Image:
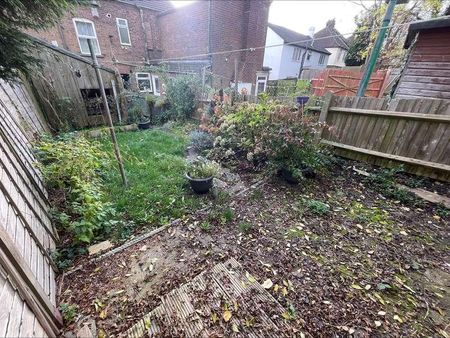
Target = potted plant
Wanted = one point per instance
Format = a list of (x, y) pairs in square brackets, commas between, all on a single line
[(137, 113), (200, 174)]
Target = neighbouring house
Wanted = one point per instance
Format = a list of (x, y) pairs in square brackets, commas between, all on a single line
[(218, 28), (330, 39), (129, 34), (427, 70), (289, 47)]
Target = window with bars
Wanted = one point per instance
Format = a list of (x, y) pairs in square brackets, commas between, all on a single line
[(85, 30), (124, 32)]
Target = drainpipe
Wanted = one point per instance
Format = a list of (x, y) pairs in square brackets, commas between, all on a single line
[(141, 14), (209, 30)]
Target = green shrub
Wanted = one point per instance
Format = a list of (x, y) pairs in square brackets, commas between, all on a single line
[(181, 94), (205, 226), (202, 168), (201, 140), (68, 311), (75, 165), (269, 133), (227, 215)]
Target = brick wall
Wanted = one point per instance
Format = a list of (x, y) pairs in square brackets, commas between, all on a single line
[(235, 24), (107, 33)]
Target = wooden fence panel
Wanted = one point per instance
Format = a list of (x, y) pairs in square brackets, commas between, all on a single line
[(27, 235), (415, 132), (345, 82)]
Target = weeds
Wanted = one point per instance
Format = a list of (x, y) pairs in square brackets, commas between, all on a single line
[(68, 311), (317, 207), (245, 227), (365, 215), (205, 226), (227, 215)]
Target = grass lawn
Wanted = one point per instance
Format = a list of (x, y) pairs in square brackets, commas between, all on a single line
[(154, 164)]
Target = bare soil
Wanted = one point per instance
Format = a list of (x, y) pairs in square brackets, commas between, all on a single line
[(367, 265)]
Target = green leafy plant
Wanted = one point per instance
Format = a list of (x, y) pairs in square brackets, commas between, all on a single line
[(227, 215), (68, 311), (74, 166), (205, 226), (245, 227), (317, 207), (202, 168), (366, 215), (201, 140), (181, 93)]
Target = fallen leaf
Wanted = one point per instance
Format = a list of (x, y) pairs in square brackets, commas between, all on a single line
[(101, 333), (356, 286), (235, 328), (250, 278), (103, 314), (381, 313), (377, 323), (147, 323), (276, 287), (284, 291), (286, 315), (267, 284), (398, 319), (227, 315), (383, 286), (367, 287), (214, 317)]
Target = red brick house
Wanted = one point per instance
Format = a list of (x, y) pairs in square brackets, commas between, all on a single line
[(133, 33)]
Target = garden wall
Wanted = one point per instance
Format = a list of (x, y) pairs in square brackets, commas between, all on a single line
[(27, 272), (412, 132)]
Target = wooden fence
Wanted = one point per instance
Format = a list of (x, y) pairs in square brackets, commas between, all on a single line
[(68, 92), (27, 272), (346, 82), (413, 132)]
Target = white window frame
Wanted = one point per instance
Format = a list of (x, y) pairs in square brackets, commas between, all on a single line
[(258, 81), (155, 89), (75, 20), (149, 77), (118, 31)]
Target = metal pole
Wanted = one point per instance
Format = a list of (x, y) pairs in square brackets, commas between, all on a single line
[(376, 49), (108, 113)]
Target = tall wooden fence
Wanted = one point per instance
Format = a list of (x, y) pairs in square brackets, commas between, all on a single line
[(27, 272), (412, 132), (346, 82), (68, 92)]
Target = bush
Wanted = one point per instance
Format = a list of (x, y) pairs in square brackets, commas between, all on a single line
[(202, 168), (270, 133), (201, 140), (181, 94), (74, 166), (317, 207)]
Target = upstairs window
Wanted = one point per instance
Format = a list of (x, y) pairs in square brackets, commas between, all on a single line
[(321, 59), (124, 32), (297, 54), (144, 82), (85, 30)]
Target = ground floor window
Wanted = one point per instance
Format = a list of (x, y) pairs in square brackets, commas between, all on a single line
[(144, 82), (261, 83)]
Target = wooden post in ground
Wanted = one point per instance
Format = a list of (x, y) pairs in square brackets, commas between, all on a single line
[(108, 113), (324, 112)]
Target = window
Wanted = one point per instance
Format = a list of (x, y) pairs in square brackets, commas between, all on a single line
[(321, 59), (85, 30), (144, 82), (261, 82), (308, 57), (124, 32), (156, 85), (297, 54)]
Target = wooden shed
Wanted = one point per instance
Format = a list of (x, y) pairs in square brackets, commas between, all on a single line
[(427, 71)]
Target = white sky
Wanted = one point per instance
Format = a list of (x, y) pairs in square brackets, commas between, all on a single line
[(300, 15)]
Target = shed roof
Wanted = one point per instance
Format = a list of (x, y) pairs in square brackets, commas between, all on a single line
[(154, 5), (414, 28), (296, 39)]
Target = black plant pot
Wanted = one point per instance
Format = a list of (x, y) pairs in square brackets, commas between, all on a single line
[(200, 185), (144, 124), (288, 177)]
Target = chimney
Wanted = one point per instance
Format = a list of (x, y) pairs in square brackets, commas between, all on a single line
[(331, 23)]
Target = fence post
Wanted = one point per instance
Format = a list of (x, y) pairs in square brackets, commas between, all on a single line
[(327, 98)]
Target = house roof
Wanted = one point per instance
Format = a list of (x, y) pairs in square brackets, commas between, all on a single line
[(296, 39), (154, 5), (414, 28), (329, 37)]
